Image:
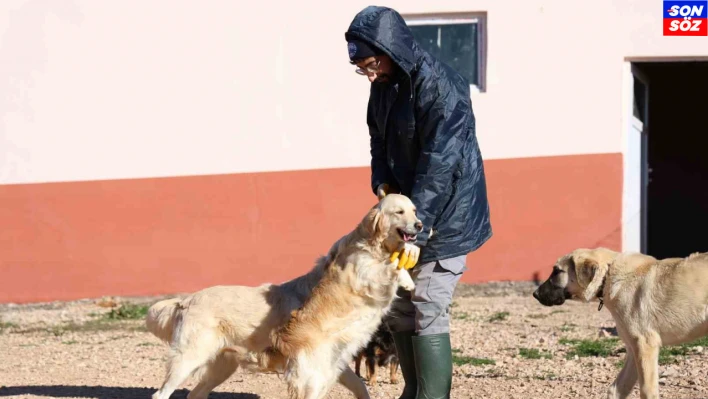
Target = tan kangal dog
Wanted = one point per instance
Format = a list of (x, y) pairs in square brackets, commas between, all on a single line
[(341, 300), (653, 302)]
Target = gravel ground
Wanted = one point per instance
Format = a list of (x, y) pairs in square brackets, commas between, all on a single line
[(506, 346)]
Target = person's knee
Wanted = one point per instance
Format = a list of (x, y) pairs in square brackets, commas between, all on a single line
[(441, 325), (401, 316), (432, 317), (400, 324)]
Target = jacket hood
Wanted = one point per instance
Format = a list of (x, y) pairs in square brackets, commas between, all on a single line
[(385, 29)]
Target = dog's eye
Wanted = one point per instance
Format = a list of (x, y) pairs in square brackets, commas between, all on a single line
[(400, 212)]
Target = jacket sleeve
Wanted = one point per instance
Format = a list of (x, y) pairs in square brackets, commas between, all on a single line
[(444, 128), (379, 166)]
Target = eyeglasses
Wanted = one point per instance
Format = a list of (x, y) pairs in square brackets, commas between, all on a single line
[(372, 67)]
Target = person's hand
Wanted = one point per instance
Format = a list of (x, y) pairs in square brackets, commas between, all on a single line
[(406, 256)]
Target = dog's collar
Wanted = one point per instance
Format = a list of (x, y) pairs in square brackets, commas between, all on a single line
[(600, 294)]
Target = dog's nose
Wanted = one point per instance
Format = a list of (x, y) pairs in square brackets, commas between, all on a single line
[(535, 294), (419, 225)]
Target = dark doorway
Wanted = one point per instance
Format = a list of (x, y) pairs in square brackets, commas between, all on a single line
[(676, 154)]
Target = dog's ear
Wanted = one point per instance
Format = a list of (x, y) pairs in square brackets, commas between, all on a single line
[(590, 273), (377, 223)]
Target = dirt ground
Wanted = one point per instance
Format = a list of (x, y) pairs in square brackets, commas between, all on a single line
[(506, 346)]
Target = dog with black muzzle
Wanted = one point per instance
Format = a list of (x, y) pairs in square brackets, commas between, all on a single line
[(653, 302), (570, 281)]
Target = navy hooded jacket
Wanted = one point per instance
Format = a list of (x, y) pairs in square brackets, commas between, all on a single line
[(423, 140)]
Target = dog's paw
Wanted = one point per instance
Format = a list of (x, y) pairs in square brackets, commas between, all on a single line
[(405, 281)]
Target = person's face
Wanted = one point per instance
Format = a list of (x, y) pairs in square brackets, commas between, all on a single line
[(377, 69)]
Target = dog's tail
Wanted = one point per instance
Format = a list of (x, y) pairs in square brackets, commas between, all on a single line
[(160, 319)]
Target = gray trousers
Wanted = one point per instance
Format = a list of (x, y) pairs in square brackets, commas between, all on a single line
[(426, 310)]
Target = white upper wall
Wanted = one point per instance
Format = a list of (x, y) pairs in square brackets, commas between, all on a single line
[(106, 90)]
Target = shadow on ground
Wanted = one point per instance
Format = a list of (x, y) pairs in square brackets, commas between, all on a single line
[(100, 392)]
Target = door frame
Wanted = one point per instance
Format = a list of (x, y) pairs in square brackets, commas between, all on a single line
[(635, 163), (636, 167), (644, 162)]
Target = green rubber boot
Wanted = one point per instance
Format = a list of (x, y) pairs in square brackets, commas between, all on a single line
[(406, 359), (433, 363)]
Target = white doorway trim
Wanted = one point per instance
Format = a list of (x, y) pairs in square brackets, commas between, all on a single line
[(631, 166)]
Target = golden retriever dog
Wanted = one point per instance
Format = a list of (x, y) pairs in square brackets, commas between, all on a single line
[(653, 302), (346, 306), (336, 306)]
